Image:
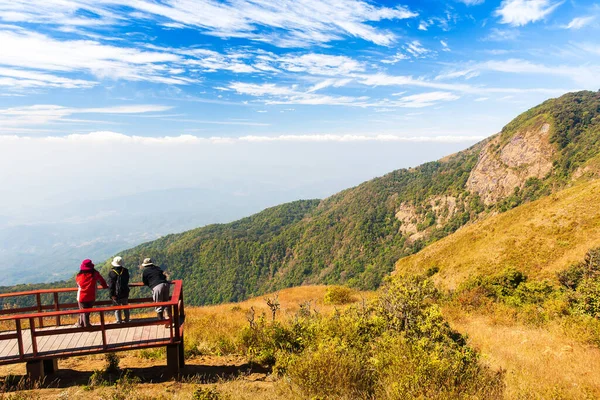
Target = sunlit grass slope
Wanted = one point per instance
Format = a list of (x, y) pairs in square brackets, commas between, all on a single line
[(539, 239)]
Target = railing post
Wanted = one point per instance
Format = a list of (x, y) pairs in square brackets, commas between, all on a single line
[(181, 309), (175, 323), (38, 298), (19, 338), (33, 337), (56, 308), (104, 345)]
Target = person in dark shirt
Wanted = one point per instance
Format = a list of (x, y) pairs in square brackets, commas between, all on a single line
[(118, 284), (158, 282)]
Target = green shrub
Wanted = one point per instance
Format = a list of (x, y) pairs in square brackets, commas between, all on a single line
[(423, 370), (587, 298), (210, 393), (111, 362), (570, 277), (339, 295), (589, 268), (397, 347), (533, 292), (331, 370)]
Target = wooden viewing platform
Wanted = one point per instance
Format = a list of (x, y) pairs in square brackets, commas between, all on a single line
[(38, 336)]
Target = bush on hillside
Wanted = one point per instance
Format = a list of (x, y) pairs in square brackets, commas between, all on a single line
[(497, 287), (339, 295), (398, 346), (586, 299)]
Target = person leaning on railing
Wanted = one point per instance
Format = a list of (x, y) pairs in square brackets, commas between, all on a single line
[(157, 280), (118, 285), (87, 280)]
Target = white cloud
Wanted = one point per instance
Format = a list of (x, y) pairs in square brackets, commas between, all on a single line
[(329, 83), (444, 45), (46, 114), (584, 75), (423, 25), (57, 12), (286, 23), (522, 12), (426, 99), (472, 2), (395, 58), (403, 80), (579, 22), (416, 49), (467, 73), (19, 79), (319, 64), (275, 94), (502, 35), (119, 138), (26, 52)]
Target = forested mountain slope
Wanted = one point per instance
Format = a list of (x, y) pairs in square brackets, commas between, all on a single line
[(356, 236)]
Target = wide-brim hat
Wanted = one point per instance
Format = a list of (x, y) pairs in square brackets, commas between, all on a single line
[(86, 265), (117, 262), (147, 262)]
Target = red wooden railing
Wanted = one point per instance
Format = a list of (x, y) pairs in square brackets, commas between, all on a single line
[(56, 310)]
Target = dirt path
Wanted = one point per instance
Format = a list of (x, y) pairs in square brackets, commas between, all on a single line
[(536, 360), (231, 375)]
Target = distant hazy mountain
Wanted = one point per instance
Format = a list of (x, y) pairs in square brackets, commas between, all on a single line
[(48, 245)]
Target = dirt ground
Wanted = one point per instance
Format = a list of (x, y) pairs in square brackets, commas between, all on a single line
[(228, 375)]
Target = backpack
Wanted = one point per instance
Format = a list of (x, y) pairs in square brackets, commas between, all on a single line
[(121, 290)]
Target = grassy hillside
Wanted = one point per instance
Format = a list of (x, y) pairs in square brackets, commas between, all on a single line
[(539, 238)]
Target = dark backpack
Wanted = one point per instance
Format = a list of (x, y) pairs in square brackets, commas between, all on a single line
[(121, 283)]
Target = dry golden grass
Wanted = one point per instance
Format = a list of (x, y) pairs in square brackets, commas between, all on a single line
[(540, 363), (215, 329), (539, 238)]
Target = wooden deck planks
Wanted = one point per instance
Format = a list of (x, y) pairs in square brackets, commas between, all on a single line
[(73, 343)]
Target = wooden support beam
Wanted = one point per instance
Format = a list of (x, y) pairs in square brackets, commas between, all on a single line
[(181, 355), (173, 360), (50, 366), (35, 370)]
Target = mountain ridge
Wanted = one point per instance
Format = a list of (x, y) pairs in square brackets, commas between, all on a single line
[(356, 236)]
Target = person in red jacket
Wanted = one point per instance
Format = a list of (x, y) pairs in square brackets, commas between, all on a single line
[(87, 279)]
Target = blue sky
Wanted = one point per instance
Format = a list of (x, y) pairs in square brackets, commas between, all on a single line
[(248, 72)]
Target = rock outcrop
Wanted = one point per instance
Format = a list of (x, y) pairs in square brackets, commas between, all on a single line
[(501, 169)]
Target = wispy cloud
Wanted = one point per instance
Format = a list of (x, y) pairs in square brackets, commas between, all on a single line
[(329, 83), (395, 58), (584, 75), (579, 22), (113, 137), (276, 94), (472, 2), (416, 49), (25, 53), (19, 79), (46, 114), (502, 35), (381, 79), (285, 23), (319, 64), (522, 12)]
